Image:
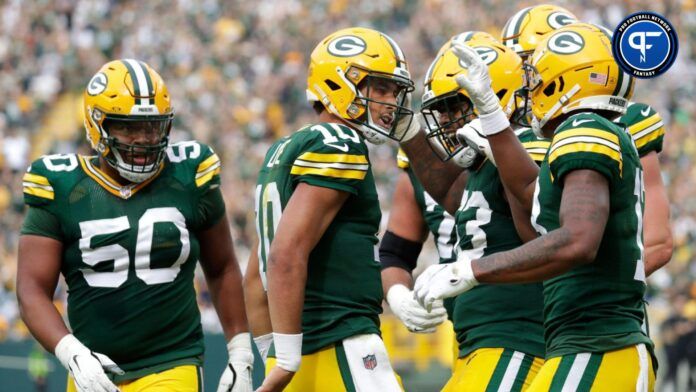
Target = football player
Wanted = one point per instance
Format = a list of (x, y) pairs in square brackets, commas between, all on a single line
[(318, 215), (413, 215), (493, 354), (126, 228), (522, 32), (587, 208)]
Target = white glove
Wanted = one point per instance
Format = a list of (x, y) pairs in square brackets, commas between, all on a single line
[(477, 83), (470, 135), (414, 316), (237, 374), (444, 281), (465, 157), (87, 368), (263, 344), (408, 126)]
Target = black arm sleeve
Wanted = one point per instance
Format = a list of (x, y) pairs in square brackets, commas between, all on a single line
[(395, 251)]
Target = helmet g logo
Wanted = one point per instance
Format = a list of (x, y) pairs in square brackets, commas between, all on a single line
[(347, 46), (560, 19), (566, 42), (97, 84), (488, 55)]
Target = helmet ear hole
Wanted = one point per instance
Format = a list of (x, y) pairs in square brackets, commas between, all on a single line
[(501, 93), (332, 85), (550, 89)]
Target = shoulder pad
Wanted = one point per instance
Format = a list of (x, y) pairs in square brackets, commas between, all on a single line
[(45, 176), (332, 150), (536, 147), (645, 126), (199, 162)]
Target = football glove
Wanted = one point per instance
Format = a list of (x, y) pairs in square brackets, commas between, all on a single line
[(465, 157), (443, 281), (87, 368), (237, 374), (408, 126), (471, 135), (415, 317), (477, 83)]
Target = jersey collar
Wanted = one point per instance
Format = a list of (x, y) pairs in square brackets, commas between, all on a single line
[(109, 184)]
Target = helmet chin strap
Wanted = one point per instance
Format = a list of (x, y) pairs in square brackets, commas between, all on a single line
[(538, 124)]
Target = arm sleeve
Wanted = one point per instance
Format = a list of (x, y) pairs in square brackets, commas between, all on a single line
[(585, 148), (41, 222), (395, 251), (340, 165)]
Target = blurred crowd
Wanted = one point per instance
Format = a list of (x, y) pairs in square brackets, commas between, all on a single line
[(236, 72)]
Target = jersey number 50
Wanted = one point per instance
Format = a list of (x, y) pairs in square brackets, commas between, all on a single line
[(146, 224)]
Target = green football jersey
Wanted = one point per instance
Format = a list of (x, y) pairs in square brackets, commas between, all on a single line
[(343, 294), (439, 222), (645, 126), (129, 252), (508, 316), (596, 307)]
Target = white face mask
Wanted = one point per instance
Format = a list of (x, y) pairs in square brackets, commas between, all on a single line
[(138, 174), (373, 136)]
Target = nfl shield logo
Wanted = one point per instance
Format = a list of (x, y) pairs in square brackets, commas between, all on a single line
[(370, 361)]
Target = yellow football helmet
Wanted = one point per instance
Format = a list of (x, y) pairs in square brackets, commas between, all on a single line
[(128, 95), (447, 107), (465, 37), (350, 59), (523, 32), (573, 69)]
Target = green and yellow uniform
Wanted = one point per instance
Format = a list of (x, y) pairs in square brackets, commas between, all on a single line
[(593, 313), (499, 327), (129, 252), (645, 126), (343, 293)]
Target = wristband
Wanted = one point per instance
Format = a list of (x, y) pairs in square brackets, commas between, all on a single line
[(288, 349), (495, 122)]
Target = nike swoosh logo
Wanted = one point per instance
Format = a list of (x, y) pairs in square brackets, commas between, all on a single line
[(343, 147), (645, 111), (578, 122)]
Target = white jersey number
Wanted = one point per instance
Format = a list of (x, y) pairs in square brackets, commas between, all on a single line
[(473, 227), (145, 238)]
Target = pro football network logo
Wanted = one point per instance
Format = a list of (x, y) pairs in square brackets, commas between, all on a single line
[(645, 44)]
